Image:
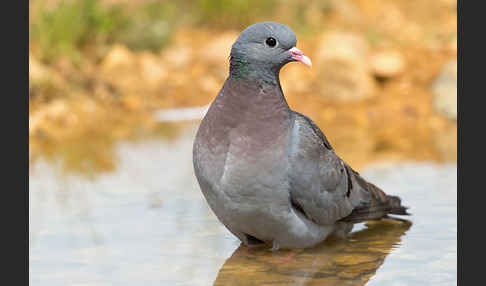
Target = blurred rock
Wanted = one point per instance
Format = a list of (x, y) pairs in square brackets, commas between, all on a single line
[(117, 57), (132, 102), (39, 73), (348, 10), (446, 143), (55, 111), (209, 83), (444, 88), (218, 49), (452, 46), (119, 69), (153, 70), (342, 45), (387, 64), (133, 73), (178, 56), (451, 4), (296, 78), (391, 18), (35, 120), (343, 69)]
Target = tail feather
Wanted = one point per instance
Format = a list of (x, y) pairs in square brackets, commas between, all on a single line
[(378, 206), (396, 206)]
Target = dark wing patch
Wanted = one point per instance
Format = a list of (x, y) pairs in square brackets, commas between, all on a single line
[(350, 182), (378, 207)]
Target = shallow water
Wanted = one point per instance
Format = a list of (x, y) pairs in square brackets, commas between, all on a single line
[(147, 223)]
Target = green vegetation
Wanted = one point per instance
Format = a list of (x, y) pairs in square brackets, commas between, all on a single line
[(71, 27), (232, 14), (80, 28), (150, 26)]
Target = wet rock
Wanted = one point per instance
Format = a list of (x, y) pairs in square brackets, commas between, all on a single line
[(444, 88), (342, 65), (387, 64)]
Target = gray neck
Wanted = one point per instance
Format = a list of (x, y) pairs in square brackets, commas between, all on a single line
[(260, 73)]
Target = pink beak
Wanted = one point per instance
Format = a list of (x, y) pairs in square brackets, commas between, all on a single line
[(299, 56)]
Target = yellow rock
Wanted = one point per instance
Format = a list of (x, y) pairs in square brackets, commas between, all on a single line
[(153, 70), (341, 45), (218, 49), (342, 64), (387, 64), (177, 56), (117, 57), (37, 71), (345, 80), (132, 102)]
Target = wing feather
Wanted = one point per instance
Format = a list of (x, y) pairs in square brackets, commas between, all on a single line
[(326, 189)]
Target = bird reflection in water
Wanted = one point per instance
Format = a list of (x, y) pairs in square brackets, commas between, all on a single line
[(351, 261)]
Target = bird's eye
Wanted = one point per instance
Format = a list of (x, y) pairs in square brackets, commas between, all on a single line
[(271, 42)]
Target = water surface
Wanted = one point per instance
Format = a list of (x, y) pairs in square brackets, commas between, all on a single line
[(147, 223)]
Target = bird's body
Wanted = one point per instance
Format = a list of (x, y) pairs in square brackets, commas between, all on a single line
[(269, 173)]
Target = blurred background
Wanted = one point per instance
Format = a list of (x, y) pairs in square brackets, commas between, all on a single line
[(383, 88), (383, 84)]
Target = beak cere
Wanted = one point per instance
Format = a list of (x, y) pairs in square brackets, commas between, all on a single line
[(298, 55)]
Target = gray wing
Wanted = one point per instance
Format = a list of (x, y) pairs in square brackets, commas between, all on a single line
[(324, 188)]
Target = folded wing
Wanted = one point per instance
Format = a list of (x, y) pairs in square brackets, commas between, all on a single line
[(324, 188)]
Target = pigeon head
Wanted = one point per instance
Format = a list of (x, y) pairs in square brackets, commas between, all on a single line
[(265, 47)]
